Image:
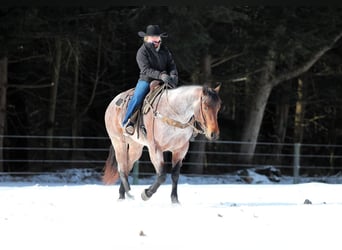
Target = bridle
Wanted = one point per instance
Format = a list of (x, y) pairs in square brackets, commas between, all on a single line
[(202, 124)]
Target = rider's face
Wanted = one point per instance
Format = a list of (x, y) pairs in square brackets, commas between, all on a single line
[(154, 39)]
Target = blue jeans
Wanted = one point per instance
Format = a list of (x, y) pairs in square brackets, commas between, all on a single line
[(141, 90)]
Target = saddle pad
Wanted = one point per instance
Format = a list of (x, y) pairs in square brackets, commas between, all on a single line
[(124, 100)]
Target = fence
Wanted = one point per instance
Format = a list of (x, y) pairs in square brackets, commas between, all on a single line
[(22, 154)]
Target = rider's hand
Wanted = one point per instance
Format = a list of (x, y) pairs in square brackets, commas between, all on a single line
[(174, 80), (165, 78)]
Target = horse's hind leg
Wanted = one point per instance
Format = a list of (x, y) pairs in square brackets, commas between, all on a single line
[(122, 192), (124, 186), (131, 153)]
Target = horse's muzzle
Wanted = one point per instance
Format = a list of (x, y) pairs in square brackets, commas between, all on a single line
[(213, 136)]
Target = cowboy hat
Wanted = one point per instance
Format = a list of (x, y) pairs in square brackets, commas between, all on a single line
[(152, 30)]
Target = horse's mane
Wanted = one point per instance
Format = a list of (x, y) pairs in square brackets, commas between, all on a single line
[(209, 92), (212, 94)]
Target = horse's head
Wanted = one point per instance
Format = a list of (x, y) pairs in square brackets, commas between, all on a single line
[(207, 116)]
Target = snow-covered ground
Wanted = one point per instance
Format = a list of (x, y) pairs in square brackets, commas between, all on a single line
[(91, 176), (81, 213)]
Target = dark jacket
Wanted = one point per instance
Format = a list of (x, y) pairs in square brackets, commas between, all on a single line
[(152, 62)]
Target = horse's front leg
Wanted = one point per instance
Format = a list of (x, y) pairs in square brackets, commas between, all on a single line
[(158, 163), (147, 193), (177, 162), (175, 177)]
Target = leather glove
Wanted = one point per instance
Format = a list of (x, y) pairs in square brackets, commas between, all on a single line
[(174, 79), (171, 84), (165, 78)]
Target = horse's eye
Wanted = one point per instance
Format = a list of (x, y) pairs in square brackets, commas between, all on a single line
[(205, 108)]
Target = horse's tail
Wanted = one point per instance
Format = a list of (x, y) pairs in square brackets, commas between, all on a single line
[(111, 174)]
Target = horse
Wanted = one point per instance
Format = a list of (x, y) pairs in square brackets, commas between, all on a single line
[(173, 119)]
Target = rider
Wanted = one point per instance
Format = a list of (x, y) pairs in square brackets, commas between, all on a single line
[(156, 63)]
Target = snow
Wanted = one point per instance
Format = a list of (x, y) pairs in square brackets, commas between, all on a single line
[(78, 212)]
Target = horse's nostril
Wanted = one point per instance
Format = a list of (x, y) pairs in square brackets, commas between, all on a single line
[(214, 135)]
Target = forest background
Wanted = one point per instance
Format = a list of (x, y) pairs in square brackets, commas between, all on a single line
[(280, 69)]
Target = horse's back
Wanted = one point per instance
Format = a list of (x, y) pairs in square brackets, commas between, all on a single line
[(115, 112)]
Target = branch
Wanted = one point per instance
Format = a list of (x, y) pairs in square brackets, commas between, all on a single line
[(332, 73), (307, 65), (225, 59), (19, 86), (245, 76), (26, 59), (97, 77)]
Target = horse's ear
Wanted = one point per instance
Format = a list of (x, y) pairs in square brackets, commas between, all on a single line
[(205, 90), (217, 88)]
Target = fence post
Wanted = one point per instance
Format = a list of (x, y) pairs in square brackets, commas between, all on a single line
[(136, 173), (296, 163)]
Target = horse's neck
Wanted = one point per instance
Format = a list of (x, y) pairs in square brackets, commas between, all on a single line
[(181, 102)]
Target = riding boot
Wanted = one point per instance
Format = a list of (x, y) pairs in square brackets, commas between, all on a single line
[(129, 127)]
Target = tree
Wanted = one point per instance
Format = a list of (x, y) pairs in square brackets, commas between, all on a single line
[(3, 104), (271, 76), (56, 66)]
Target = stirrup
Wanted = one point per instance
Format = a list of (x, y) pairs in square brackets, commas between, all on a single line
[(129, 128)]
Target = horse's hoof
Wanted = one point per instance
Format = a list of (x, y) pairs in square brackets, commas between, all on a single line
[(175, 200), (144, 195), (129, 195)]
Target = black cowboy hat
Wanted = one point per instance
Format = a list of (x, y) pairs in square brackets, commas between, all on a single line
[(152, 30)]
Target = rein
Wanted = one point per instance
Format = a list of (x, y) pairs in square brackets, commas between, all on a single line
[(178, 124)]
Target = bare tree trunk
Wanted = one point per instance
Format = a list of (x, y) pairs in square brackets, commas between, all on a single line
[(332, 135), (207, 69), (77, 113), (257, 108), (97, 78), (253, 122), (3, 103), (53, 94), (280, 126), (299, 113), (200, 159), (75, 116)]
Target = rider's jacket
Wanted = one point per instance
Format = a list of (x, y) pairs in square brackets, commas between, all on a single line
[(153, 62)]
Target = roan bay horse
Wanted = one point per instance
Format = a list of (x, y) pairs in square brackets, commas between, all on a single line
[(170, 124)]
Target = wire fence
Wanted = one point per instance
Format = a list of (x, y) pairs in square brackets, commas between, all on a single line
[(29, 154)]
